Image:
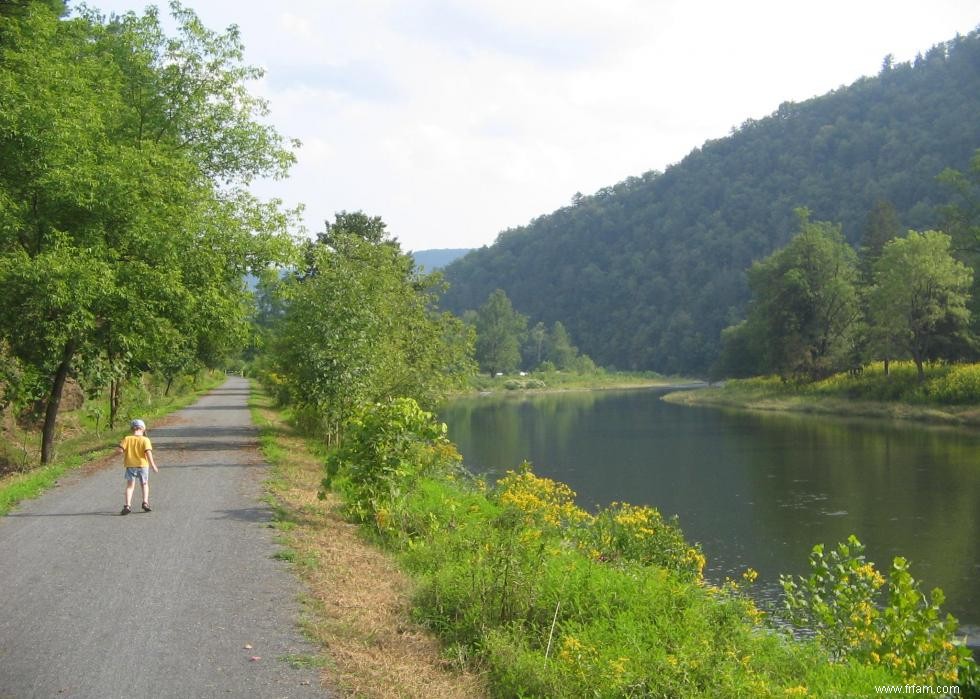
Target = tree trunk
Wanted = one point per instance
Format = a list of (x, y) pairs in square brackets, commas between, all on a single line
[(115, 398), (921, 368), (54, 402)]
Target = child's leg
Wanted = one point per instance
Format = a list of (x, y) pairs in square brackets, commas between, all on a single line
[(130, 487), (146, 492)]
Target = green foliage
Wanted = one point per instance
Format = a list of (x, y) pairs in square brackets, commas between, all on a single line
[(907, 634), (918, 305), (358, 326), (900, 383), (646, 273), (125, 229), (387, 447), (639, 534), (561, 352), (805, 306), (955, 385), (504, 343), (549, 600), (498, 334)]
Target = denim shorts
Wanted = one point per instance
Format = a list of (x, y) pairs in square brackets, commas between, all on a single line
[(143, 473)]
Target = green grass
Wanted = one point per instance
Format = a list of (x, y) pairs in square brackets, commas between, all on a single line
[(948, 394), (26, 486), (301, 661), (564, 380)]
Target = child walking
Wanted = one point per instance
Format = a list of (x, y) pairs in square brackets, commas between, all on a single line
[(137, 454)]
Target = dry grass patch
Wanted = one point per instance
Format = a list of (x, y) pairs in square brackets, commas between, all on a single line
[(359, 609)]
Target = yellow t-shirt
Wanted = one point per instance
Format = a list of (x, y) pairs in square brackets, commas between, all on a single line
[(134, 451)]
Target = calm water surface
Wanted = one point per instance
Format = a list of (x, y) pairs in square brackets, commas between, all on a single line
[(755, 489)]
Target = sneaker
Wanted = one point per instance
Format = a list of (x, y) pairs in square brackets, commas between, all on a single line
[(125, 510), (146, 507)]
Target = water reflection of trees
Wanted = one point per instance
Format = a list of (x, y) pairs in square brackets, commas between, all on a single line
[(902, 489), (756, 489), (504, 430)]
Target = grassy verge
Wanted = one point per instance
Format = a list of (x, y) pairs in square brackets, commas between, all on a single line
[(948, 395), (570, 381), (358, 607), (87, 443)]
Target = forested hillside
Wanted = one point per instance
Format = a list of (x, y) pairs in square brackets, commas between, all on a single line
[(646, 273)]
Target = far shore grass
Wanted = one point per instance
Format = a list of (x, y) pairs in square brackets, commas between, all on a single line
[(949, 395), (555, 381)]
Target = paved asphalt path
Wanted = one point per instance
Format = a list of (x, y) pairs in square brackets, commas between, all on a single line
[(159, 604)]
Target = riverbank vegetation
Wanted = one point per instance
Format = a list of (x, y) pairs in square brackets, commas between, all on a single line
[(126, 226), (519, 583), (948, 393), (546, 599), (357, 606), (819, 308)]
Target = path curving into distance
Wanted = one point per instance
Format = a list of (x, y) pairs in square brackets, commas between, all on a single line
[(158, 604)]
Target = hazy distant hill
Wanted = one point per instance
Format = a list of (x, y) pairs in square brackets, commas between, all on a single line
[(646, 273), (432, 260)]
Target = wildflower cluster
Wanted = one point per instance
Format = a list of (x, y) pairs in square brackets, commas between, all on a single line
[(906, 634), (542, 501), (639, 534)]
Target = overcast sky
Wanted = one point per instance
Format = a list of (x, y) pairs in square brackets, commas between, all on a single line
[(454, 121)]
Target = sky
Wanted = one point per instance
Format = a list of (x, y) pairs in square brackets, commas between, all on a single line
[(454, 121)]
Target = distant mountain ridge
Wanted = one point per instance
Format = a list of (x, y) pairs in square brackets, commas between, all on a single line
[(646, 273), (437, 258)]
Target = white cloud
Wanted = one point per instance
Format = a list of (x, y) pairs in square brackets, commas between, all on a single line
[(456, 119)]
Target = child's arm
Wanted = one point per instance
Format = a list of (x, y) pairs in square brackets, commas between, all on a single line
[(149, 457)]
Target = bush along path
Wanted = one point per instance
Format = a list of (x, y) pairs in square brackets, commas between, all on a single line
[(189, 600)]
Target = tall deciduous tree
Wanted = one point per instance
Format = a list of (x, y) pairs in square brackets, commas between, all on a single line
[(123, 224), (919, 298), (535, 344), (498, 334), (805, 305), (359, 326), (561, 351)]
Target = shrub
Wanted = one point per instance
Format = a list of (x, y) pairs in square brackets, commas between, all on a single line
[(540, 502), (960, 384), (906, 634), (387, 447), (639, 534)]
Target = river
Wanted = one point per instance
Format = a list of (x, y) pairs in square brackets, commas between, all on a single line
[(755, 489)]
